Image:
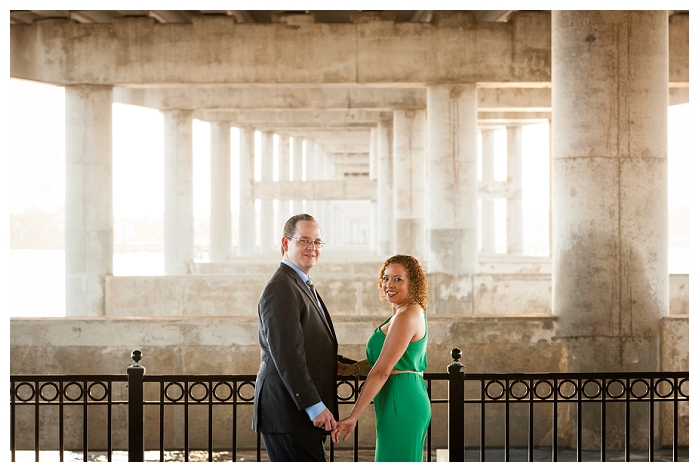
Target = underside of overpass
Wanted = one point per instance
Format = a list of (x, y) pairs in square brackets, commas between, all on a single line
[(386, 108)]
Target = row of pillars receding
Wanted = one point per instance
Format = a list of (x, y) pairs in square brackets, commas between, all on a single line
[(609, 184)]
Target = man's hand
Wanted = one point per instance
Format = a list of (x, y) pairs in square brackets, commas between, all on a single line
[(325, 420)]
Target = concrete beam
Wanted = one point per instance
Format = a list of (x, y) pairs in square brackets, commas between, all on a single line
[(322, 98), (324, 119), (217, 50), (317, 118), (316, 190)]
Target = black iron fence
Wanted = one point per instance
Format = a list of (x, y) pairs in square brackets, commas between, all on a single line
[(483, 416)]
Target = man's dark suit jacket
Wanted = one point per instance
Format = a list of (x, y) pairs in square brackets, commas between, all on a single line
[(299, 357)]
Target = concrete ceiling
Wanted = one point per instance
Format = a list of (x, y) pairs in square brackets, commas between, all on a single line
[(242, 16)]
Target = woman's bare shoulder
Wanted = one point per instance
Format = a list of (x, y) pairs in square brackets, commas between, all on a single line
[(411, 314)]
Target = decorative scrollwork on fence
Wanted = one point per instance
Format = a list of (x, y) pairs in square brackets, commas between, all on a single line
[(66, 392), (525, 388)]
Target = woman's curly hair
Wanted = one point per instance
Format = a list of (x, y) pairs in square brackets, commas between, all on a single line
[(416, 276)]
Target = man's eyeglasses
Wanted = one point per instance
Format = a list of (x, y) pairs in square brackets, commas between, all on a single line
[(308, 242)]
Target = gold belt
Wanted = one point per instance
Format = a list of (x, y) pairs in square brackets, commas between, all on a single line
[(394, 372)]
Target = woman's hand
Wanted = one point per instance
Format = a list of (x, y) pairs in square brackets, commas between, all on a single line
[(347, 425)]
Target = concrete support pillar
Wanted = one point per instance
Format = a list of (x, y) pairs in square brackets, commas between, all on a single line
[(328, 173), (453, 196), (515, 235), (409, 183), (284, 212), (453, 179), (311, 169), (373, 205), (488, 205), (610, 210), (220, 247), (268, 241), (89, 221), (179, 192), (297, 204), (384, 178), (246, 212)]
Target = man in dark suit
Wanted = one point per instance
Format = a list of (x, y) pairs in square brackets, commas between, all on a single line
[(295, 392)]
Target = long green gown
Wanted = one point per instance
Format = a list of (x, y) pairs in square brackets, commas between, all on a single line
[(402, 406)]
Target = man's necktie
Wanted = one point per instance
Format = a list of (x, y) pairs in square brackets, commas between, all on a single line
[(309, 282)]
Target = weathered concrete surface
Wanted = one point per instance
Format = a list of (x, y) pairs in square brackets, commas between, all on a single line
[(674, 356), (89, 222), (452, 201), (409, 183), (138, 51), (178, 237), (609, 180), (314, 98), (679, 294), (228, 345)]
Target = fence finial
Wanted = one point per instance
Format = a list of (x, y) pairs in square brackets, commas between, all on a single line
[(456, 355), (136, 356)]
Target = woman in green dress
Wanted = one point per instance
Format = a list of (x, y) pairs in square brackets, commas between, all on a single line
[(396, 358)]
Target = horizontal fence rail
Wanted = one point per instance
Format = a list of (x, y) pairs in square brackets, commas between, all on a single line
[(486, 416)]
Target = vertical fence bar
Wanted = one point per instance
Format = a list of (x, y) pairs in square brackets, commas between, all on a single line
[(135, 398), (86, 389), (554, 435), (13, 454), (627, 424), (507, 420), (651, 422), (186, 421), (482, 445), (161, 408), (109, 422), (603, 449), (234, 435), (530, 439), (675, 418), (578, 453), (36, 422), (456, 408), (211, 422)]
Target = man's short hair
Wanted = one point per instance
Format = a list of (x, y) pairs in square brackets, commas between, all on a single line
[(290, 225)]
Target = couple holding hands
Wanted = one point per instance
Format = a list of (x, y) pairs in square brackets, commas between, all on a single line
[(296, 392)]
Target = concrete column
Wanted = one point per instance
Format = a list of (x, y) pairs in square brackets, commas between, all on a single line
[(384, 179), (488, 205), (373, 205), (311, 171), (453, 195), (409, 183), (89, 220), (246, 212), (220, 247), (268, 241), (179, 192), (610, 208), (515, 236), (284, 176), (297, 204), (453, 178), (328, 173)]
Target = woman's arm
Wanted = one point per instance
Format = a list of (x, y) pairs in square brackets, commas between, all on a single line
[(402, 329)]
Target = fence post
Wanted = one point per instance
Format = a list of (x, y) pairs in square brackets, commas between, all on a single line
[(456, 407), (135, 400)]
